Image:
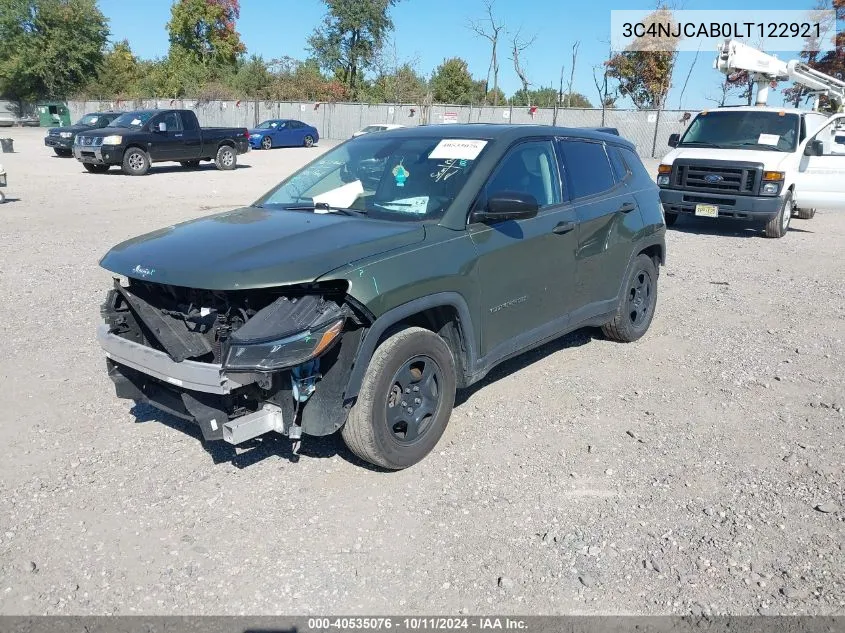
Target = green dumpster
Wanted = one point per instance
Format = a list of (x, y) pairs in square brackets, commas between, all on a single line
[(53, 114)]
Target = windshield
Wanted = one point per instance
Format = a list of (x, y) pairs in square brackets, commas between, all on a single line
[(134, 120), (89, 119), (403, 179), (744, 129), (266, 125)]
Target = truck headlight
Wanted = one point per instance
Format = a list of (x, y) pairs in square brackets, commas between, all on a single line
[(664, 173), (66, 134), (663, 180), (114, 139), (772, 181), (285, 352), (770, 189)]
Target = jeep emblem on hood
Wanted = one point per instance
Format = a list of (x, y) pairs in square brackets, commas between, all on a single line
[(144, 272)]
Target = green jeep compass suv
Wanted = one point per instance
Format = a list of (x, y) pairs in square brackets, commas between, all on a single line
[(368, 286)]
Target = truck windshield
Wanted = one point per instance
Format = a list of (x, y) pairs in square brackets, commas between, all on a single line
[(744, 129), (402, 179), (133, 120), (89, 120)]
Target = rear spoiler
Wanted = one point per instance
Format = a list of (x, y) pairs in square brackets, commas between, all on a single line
[(606, 130)]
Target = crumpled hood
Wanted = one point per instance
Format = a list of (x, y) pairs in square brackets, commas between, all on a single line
[(771, 159), (256, 248)]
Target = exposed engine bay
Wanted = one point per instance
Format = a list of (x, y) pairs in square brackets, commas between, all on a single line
[(238, 363)]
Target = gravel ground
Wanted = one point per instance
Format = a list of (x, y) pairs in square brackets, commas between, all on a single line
[(698, 470)]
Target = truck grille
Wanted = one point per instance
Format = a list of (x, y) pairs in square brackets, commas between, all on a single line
[(89, 141), (713, 177)]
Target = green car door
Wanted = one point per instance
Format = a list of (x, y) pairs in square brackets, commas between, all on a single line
[(525, 267)]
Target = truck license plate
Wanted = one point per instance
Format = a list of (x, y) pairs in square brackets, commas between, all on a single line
[(707, 210)]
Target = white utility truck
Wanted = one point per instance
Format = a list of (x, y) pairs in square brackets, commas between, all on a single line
[(758, 163)]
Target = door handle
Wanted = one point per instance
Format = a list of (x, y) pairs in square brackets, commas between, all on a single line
[(563, 227), (627, 207)]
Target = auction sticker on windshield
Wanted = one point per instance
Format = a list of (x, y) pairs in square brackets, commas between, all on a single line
[(768, 139), (460, 149)]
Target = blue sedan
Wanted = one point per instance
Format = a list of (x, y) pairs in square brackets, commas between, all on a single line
[(283, 133)]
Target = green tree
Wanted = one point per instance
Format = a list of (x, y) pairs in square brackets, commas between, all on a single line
[(452, 83), (350, 37), (643, 71), (252, 78), (576, 100), (203, 32), (49, 48), (404, 85), (118, 75)]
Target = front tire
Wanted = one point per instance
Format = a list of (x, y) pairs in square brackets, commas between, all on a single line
[(779, 224), (226, 158), (136, 162), (309, 141), (266, 143), (636, 308), (405, 401), (95, 169), (805, 214)]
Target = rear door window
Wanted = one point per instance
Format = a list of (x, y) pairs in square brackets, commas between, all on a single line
[(587, 168)]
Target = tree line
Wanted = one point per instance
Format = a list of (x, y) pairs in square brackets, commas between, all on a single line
[(60, 49)]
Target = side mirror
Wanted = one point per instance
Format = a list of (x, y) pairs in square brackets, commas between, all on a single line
[(508, 205), (814, 148), (674, 139), (162, 127)]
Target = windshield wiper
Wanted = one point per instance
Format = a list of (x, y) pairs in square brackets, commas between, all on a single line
[(700, 144), (324, 206), (774, 147)]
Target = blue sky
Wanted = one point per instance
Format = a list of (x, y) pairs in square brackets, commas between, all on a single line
[(428, 31)]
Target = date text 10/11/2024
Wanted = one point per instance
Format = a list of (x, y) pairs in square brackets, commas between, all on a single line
[(417, 624)]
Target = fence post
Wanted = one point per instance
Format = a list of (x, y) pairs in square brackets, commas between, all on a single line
[(654, 140)]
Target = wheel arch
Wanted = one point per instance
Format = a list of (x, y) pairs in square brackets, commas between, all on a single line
[(444, 313)]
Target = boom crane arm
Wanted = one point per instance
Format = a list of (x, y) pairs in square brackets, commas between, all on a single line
[(734, 56)]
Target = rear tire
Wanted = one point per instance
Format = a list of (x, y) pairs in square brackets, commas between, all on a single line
[(779, 224), (309, 141), (95, 169), (637, 304), (226, 158), (412, 369), (805, 214), (136, 162)]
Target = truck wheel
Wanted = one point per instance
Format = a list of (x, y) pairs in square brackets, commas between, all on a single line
[(63, 153), (95, 169), (226, 158), (671, 218), (805, 214), (779, 224), (266, 143), (405, 401), (135, 162), (639, 301), (309, 141)]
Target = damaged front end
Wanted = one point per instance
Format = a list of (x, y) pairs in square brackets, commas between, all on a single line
[(237, 363)]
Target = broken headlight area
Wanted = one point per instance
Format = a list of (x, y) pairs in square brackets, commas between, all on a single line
[(287, 333), (253, 358)]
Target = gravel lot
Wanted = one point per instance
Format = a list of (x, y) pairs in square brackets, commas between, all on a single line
[(698, 470)]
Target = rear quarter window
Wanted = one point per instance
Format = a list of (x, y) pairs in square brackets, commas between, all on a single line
[(636, 166)]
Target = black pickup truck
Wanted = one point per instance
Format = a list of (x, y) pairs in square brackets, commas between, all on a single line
[(135, 140)]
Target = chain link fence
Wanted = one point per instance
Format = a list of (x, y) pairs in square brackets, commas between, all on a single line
[(649, 130)]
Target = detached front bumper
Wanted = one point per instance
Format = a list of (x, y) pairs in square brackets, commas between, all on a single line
[(738, 207), (98, 155)]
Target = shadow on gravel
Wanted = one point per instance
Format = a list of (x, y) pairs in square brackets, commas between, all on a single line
[(274, 445), (572, 340), (170, 169), (724, 228)]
